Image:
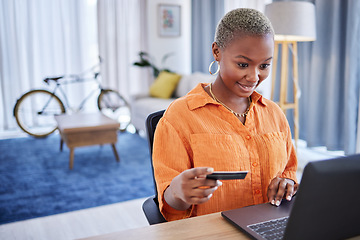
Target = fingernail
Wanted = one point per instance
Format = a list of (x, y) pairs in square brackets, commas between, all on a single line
[(277, 203), (273, 202), (288, 198), (219, 183), (209, 196), (210, 170)]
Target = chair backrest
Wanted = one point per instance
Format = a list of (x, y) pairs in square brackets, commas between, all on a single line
[(151, 123)]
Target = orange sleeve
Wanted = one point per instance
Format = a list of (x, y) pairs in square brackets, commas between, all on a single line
[(169, 161), (291, 166), (289, 171)]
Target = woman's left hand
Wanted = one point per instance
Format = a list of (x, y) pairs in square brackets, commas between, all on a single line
[(280, 188)]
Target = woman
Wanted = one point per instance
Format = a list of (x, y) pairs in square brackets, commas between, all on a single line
[(226, 126)]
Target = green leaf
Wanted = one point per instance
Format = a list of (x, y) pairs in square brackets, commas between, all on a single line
[(166, 56), (145, 61), (167, 70)]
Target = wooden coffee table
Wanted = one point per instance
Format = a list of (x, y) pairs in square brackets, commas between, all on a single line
[(84, 129)]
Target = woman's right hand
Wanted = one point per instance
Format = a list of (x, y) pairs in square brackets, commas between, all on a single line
[(191, 187)]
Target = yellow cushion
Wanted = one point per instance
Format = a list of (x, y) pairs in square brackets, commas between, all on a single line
[(164, 85)]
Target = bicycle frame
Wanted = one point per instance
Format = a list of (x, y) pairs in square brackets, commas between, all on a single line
[(33, 111), (74, 78), (58, 88)]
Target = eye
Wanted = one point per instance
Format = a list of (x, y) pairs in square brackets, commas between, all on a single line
[(243, 65), (264, 66)]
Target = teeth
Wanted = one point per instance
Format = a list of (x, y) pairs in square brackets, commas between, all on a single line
[(247, 87)]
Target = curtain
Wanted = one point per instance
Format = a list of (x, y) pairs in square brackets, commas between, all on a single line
[(122, 35), (41, 38), (329, 76), (358, 130), (205, 17), (255, 4)]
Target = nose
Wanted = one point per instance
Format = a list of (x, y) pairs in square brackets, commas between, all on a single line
[(252, 75)]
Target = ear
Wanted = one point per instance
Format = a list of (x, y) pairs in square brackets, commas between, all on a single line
[(216, 51)]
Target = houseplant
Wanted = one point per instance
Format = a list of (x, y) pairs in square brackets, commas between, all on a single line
[(147, 61)]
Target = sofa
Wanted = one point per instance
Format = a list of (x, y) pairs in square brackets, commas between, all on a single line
[(144, 104)]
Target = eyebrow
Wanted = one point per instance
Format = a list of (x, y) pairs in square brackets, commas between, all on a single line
[(241, 56)]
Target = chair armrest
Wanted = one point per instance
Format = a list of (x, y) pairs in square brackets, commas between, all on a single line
[(152, 212)]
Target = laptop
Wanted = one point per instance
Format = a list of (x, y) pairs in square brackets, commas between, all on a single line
[(326, 206)]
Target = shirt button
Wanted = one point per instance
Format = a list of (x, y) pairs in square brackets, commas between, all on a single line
[(257, 191), (254, 164), (248, 137)]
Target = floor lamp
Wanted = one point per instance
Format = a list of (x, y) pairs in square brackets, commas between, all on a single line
[(293, 22)]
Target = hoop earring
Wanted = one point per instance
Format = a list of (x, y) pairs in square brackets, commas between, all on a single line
[(218, 69)]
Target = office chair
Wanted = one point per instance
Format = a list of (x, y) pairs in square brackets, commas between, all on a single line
[(151, 205)]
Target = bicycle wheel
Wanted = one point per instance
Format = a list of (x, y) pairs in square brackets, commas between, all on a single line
[(113, 105), (34, 112)]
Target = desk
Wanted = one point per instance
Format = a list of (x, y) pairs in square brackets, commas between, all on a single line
[(84, 129), (212, 226)]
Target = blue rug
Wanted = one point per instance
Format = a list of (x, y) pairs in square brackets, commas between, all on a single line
[(35, 179)]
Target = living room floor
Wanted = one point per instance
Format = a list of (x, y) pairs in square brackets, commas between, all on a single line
[(79, 224), (114, 217)]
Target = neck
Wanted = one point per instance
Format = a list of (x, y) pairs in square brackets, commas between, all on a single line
[(237, 114)]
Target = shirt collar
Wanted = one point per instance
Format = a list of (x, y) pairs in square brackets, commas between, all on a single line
[(198, 97)]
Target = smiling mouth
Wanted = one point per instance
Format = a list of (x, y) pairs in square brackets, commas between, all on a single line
[(247, 87)]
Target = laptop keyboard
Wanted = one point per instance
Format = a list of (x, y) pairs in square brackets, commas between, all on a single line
[(272, 229)]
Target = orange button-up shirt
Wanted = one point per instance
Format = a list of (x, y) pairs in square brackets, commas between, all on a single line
[(197, 131)]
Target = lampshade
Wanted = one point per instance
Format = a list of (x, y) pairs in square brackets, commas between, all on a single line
[(292, 21)]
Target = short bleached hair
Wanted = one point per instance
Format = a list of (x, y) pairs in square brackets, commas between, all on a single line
[(242, 21)]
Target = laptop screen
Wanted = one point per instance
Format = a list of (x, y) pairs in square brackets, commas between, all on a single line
[(326, 206)]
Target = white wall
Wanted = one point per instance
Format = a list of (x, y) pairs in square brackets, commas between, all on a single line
[(180, 62)]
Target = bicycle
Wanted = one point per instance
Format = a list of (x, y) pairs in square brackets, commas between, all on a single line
[(34, 111)]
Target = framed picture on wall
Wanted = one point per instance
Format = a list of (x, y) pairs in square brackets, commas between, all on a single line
[(169, 20)]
